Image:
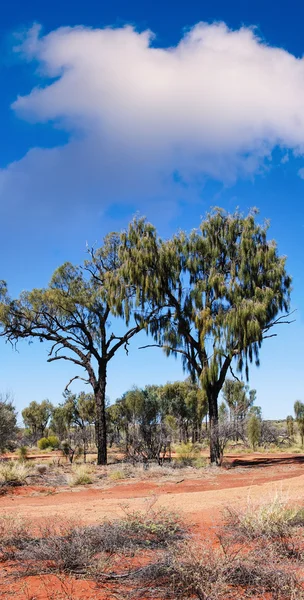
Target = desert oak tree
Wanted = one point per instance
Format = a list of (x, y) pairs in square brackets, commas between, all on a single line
[(73, 314), (222, 289)]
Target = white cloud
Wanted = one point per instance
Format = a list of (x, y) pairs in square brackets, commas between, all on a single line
[(215, 105)]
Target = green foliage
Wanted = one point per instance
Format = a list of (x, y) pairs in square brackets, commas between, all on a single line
[(299, 412), (73, 314), (223, 412), (187, 453), (290, 425), (36, 417), (221, 289), (43, 443), (23, 453), (53, 441), (254, 430), (8, 421), (239, 399)]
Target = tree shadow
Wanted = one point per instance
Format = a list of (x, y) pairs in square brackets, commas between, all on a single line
[(268, 461)]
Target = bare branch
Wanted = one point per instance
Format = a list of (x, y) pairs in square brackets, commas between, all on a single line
[(73, 379)]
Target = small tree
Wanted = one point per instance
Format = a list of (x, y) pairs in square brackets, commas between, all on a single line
[(299, 412), (254, 431), (8, 421), (223, 412), (290, 425), (36, 417)]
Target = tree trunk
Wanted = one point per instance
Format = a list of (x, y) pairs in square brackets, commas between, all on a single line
[(101, 423), (215, 454)]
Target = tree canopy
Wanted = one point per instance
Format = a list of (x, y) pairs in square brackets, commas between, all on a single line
[(222, 289), (73, 314)]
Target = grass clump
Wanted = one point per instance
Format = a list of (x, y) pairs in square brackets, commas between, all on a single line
[(13, 473), (270, 519), (116, 475), (81, 475)]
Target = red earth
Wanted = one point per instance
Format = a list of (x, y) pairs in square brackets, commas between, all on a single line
[(199, 501)]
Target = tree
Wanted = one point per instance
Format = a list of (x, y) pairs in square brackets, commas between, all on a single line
[(254, 431), (80, 412), (239, 400), (223, 413), (8, 421), (290, 425), (73, 315), (36, 417), (299, 412), (222, 289)]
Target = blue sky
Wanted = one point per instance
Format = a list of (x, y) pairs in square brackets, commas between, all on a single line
[(98, 123)]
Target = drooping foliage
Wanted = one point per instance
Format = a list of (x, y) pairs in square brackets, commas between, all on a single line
[(221, 289)]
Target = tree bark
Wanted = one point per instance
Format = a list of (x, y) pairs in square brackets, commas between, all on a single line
[(215, 454), (101, 424)]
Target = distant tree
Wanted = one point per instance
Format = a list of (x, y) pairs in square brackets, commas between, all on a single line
[(290, 425), (80, 413), (239, 399), (223, 412), (73, 315), (254, 431), (36, 417), (255, 410), (222, 289), (187, 403), (8, 421), (299, 412), (59, 423)]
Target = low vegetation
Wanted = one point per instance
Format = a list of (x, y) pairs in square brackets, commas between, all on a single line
[(153, 554), (81, 475), (13, 473)]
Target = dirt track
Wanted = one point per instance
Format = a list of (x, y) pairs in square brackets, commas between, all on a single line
[(255, 476)]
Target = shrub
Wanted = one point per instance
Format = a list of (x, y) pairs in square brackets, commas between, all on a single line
[(254, 430), (82, 475), (53, 441), (23, 453), (13, 473), (43, 443), (50, 442), (187, 453), (192, 571)]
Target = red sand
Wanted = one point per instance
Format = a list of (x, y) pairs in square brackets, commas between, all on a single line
[(199, 501)]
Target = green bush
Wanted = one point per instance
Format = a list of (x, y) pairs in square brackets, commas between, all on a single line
[(49, 442), (53, 441), (43, 443), (23, 453)]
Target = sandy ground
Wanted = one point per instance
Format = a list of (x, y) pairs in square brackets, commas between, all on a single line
[(200, 502), (255, 476)]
